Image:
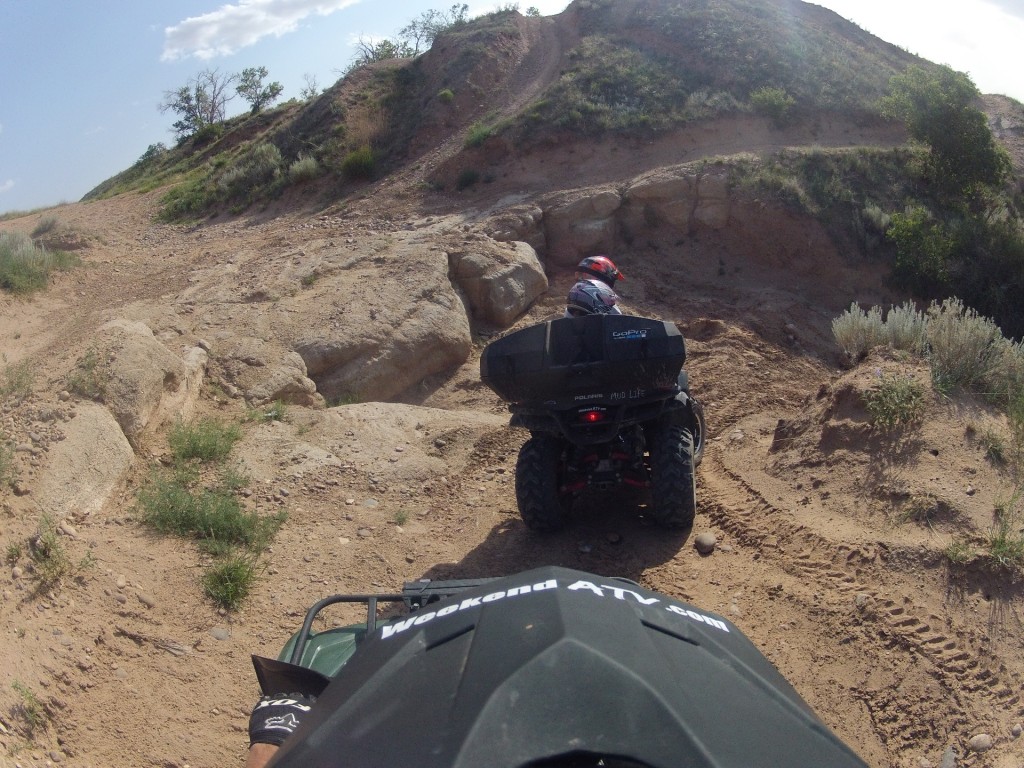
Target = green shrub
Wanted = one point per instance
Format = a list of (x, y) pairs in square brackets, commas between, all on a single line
[(46, 224), (17, 380), (446, 96), (924, 249), (962, 346), (30, 709), (275, 411), (208, 440), (896, 400), (208, 134), (229, 582), (478, 133), (359, 164), (8, 474), (773, 103), (993, 445), (51, 563), (306, 168), (25, 267), (467, 178), (906, 329), (858, 331), (252, 171), (959, 552), (1005, 545), (169, 504), (190, 198)]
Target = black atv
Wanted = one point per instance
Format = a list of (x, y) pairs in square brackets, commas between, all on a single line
[(607, 403), (552, 667)]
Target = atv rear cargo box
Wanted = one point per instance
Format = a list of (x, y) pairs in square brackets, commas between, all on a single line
[(595, 354)]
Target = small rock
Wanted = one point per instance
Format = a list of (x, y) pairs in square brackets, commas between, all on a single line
[(122, 581), (16, 573), (122, 599), (342, 540), (705, 543), (220, 633), (1017, 730), (350, 502), (364, 533), (585, 548), (970, 490), (981, 743), (861, 599), (146, 600), (68, 530), (948, 758)]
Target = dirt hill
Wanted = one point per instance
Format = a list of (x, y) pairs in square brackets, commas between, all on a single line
[(830, 536)]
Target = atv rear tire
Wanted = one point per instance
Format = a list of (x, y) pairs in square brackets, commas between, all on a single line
[(673, 485), (540, 471)]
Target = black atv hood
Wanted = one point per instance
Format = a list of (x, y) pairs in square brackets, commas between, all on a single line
[(553, 663)]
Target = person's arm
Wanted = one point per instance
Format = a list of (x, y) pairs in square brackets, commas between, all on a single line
[(260, 754)]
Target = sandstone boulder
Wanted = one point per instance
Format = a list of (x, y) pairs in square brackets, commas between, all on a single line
[(87, 467), (499, 280), (139, 373), (581, 227), (265, 371)]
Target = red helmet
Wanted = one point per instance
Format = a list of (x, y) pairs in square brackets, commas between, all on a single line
[(602, 268)]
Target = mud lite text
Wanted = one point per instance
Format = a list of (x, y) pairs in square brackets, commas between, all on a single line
[(607, 591)]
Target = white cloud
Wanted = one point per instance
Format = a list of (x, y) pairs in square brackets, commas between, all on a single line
[(232, 27), (7, 186)]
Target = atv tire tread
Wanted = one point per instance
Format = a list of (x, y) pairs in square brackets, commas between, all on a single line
[(541, 504), (673, 484)]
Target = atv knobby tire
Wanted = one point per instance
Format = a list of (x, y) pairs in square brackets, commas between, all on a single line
[(673, 485), (539, 473), (699, 432)]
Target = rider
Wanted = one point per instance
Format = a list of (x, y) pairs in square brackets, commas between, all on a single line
[(592, 293)]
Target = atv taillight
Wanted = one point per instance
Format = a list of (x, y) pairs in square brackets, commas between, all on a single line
[(592, 415)]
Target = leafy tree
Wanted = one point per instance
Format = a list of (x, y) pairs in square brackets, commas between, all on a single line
[(153, 151), (368, 52), (924, 248), (252, 89), (199, 103), (311, 89), (533, 11), (429, 24), (937, 107)]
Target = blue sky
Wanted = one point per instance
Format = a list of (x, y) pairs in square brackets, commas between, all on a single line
[(82, 79)]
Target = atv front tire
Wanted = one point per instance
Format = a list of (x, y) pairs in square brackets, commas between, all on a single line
[(540, 471), (673, 484)]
